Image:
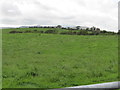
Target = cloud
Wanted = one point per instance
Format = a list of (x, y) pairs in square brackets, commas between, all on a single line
[(99, 13), (10, 9)]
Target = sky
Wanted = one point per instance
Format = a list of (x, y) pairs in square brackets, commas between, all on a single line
[(99, 13)]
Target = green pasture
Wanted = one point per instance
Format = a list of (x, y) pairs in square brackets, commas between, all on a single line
[(34, 60)]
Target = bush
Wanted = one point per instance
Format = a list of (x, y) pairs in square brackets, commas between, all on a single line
[(69, 33), (15, 32), (28, 31), (103, 31), (82, 32), (41, 31), (74, 33), (50, 31), (63, 33), (35, 30)]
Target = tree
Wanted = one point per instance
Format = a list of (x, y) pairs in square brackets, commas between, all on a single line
[(87, 29), (93, 28), (97, 31), (68, 28), (59, 26), (119, 32), (77, 27)]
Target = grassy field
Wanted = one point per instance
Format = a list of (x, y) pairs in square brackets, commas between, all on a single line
[(33, 60)]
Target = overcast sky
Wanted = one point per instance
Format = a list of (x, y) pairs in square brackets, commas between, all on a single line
[(99, 13)]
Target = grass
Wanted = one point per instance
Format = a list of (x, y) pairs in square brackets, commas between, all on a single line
[(32, 60)]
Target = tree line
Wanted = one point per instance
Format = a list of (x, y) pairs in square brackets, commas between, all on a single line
[(68, 31)]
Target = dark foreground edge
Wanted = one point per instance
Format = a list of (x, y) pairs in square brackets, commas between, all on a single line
[(102, 86)]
